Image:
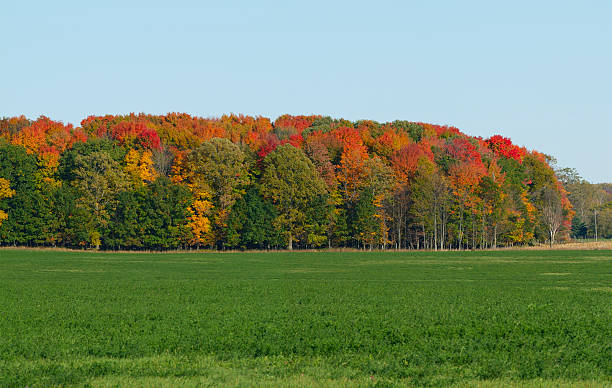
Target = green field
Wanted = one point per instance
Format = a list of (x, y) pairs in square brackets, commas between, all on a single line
[(535, 318)]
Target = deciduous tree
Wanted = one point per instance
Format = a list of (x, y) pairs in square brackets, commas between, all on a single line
[(290, 180)]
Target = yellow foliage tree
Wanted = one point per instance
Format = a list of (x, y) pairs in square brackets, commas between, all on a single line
[(200, 210), (140, 166), (199, 223), (147, 166), (48, 163), (5, 192)]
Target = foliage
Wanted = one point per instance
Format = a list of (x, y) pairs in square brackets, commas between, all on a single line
[(504, 147), (151, 217), (314, 181), (250, 225), (592, 204), (217, 171), (27, 210), (290, 180), (5, 192)]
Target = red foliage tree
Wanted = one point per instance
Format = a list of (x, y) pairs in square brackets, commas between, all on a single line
[(405, 161), (504, 147), (138, 132), (47, 136), (298, 122)]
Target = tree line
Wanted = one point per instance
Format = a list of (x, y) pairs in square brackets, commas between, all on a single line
[(239, 182)]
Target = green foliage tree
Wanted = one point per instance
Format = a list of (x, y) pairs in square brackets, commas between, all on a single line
[(292, 183), (68, 161), (219, 167), (69, 223), (28, 213), (149, 217), (368, 217), (250, 224), (365, 227), (99, 179)]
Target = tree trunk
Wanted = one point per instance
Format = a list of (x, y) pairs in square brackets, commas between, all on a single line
[(595, 213), (435, 236), (459, 245), (290, 246), (399, 234), (495, 237), (443, 231), (424, 236), (552, 238), (483, 233)]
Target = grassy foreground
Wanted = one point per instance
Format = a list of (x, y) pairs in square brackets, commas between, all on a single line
[(510, 318)]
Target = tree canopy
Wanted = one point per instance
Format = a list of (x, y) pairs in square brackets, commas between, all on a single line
[(179, 181)]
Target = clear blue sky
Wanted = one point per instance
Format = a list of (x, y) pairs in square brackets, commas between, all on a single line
[(539, 72)]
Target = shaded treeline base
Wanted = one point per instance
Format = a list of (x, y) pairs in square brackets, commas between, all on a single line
[(564, 246), (506, 318), (239, 182)]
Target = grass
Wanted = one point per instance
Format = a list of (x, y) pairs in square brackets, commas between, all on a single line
[(508, 318)]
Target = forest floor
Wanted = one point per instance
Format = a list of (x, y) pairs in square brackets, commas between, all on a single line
[(486, 318)]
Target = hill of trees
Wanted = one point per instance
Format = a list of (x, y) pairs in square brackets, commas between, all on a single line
[(240, 182)]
